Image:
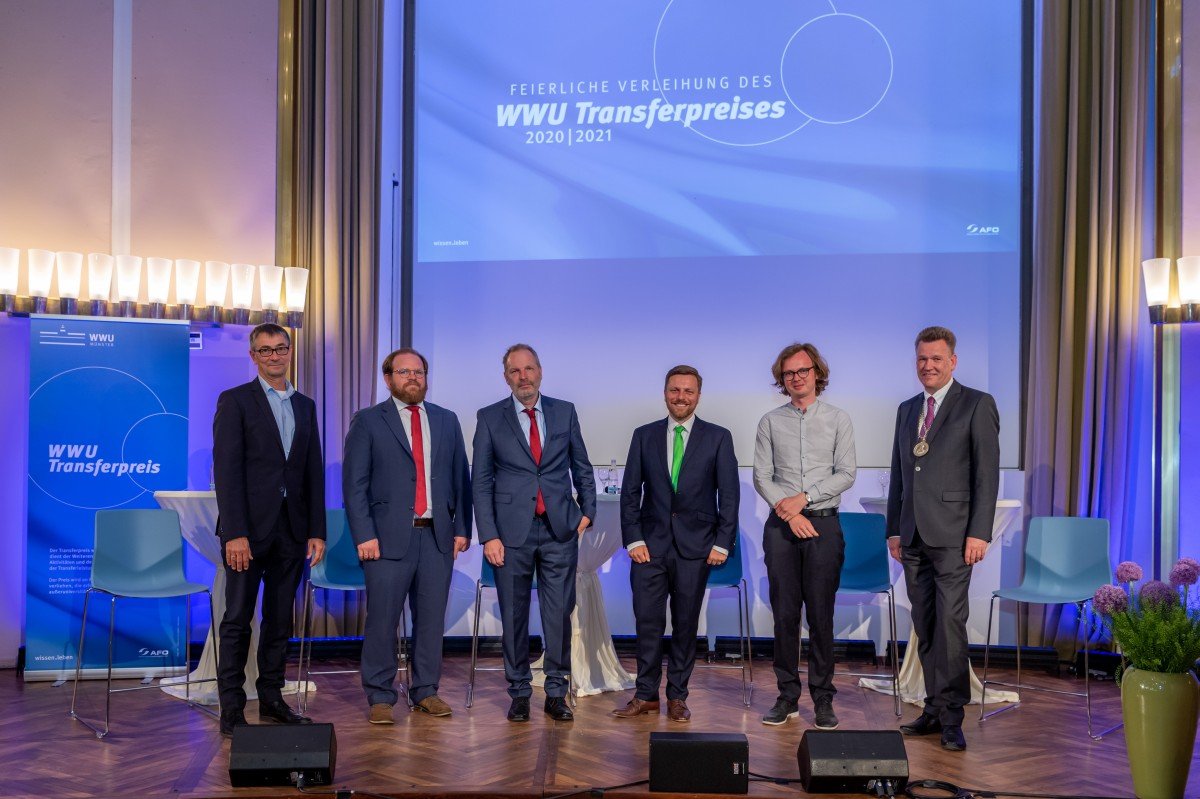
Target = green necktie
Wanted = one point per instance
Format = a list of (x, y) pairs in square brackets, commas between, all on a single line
[(677, 457)]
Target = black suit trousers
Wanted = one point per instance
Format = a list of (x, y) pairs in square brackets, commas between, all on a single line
[(682, 580), (278, 569), (804, 574), (938, 583)]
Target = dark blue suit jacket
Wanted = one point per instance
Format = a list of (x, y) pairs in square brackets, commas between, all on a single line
[(252, 474), (379, 479), (505, 480), (702, 513)]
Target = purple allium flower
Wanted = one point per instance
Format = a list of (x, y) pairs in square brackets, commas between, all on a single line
[(1110, 599), (1185, 572), (1156, 592), (1128, 572)]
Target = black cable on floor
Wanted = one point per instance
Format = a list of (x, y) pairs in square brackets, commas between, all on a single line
[(596, 792)]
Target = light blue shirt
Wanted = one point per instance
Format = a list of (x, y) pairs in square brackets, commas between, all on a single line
[(523, 418), (281, 409)]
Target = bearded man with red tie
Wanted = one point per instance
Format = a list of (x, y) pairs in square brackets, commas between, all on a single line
[(529, 455), (407, 491)]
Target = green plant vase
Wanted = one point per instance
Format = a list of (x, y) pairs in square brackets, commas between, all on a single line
[(1159, 711)]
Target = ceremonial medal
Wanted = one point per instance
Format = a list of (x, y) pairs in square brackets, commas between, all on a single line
[(921, 448)]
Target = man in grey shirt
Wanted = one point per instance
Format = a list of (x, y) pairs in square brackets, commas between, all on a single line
[(803, 461)]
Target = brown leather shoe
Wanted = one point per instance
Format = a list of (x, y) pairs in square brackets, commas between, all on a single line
[(677, 710), (381, 714), (433, 705), (636, 707)]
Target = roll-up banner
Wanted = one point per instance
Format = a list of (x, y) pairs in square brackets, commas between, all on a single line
[(108, 403)]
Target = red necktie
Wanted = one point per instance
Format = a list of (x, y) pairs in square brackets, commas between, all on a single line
[(535, 446), (418, 452)]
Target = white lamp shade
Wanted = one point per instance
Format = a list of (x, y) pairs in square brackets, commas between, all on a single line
[(158, 279), (216, 282), (100, 271), (70, 274), (129, 277), (41, 272), (295, 281), (1189, 278), (10, 262), (187, 281), (270, 286), (243, 284), (1157, 274)]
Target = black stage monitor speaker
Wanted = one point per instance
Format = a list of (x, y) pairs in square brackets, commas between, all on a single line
[(699, 762), (849, 761), (278, 754)]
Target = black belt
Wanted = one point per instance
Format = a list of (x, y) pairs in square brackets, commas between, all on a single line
[(422, 522), (819, 512)]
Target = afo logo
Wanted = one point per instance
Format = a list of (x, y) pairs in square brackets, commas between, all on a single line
[(983, 230), (153, 653)]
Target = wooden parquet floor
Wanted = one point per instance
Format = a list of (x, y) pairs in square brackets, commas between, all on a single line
[(161, 748)]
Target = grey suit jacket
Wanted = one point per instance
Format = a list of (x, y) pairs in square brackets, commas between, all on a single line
[(949, 494)]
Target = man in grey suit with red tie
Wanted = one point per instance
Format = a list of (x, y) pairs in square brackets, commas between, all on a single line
[(941, 506), (679, 504), (407, 491), (529, 454), (270, 485)]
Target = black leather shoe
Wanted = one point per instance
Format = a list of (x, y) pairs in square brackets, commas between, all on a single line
[(277, 710), (557, 709), (925, 724), (231, 719), (519, 709), (952, 738)]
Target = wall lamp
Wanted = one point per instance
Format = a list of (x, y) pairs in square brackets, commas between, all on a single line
[(150, 288), (1157, 274)]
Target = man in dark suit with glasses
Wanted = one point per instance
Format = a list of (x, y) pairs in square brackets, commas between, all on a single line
[(270, 485)]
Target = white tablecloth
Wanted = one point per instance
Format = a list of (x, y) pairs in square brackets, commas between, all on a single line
[(986, 576), (198, 519), (594, 664)]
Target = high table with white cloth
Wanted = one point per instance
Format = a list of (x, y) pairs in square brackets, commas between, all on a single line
[(594, 664), (984, 580), (198, 520)]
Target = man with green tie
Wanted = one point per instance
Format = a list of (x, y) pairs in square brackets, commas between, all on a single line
[(679, 502)]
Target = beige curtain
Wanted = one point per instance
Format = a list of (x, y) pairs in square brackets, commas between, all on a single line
[(1088, 436), (328, 212)]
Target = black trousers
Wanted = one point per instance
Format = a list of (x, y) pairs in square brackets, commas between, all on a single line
[(682, 580), (803, 573), (278, 570), (938, 583)]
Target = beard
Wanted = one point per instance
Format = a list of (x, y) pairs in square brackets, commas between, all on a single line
[(410, 393)]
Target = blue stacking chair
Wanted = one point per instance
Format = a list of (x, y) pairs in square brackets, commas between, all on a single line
[(487, 579), (339, 570), (866, 570), (731, 574), (138, 553), (1066, 561)]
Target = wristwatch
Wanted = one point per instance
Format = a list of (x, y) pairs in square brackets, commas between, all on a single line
[(807, 499)]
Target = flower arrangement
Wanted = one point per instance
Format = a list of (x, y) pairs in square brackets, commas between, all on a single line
[(1157, 627)]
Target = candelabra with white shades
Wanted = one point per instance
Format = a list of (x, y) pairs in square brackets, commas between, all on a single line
[(132, 287)]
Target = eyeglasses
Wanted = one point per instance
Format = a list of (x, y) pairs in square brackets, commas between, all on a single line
[(801, 373), (265, 352), (408, 372)]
